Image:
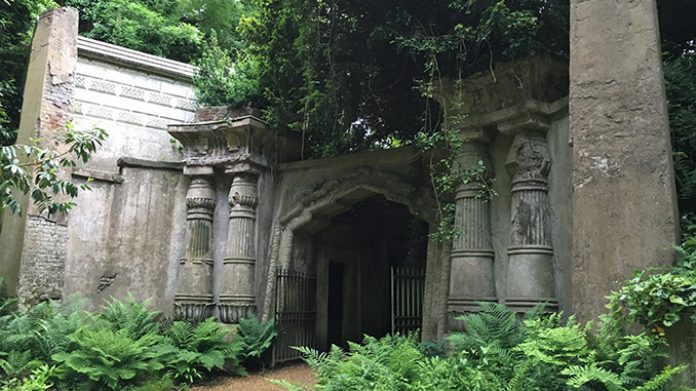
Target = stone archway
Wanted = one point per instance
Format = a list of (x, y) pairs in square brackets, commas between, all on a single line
[(332, 198)]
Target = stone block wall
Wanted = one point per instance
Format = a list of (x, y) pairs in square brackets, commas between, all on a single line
[(134, 96), (125, 236)]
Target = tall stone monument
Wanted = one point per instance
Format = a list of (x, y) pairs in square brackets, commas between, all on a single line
[(624, 203)]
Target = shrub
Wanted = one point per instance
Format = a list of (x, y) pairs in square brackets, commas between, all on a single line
[(659, 298)]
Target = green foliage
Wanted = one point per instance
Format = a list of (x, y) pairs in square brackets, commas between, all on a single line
[(681, 94), (152, 26), (500, 351), (132, 316), (202, 347), (343, 73), (255, 337), (221, 80), (660, 298), (38, 172), (101, 357), (123, 346)]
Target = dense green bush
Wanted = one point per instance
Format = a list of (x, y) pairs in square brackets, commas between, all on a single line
[(499, 351), (661, 297), (124, 346)]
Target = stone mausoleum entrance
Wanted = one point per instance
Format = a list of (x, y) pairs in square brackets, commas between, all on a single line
[(361, 257), (363, 274)]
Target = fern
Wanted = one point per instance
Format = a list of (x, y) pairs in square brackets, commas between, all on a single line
[(662, 379), (201, 348), (495, 324), (255, 337), (580, 376), (104, 358), (134, 317)]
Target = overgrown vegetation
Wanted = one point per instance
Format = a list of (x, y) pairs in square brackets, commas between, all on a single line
[(499, 351), (123, 346)]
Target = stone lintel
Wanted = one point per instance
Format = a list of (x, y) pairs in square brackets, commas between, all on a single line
[(541, 78), (531, 114), (198, 170), (97, 175), (246, 166), (151, 164)]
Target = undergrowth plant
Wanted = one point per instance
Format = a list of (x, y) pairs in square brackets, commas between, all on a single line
[(500, 351), (124, 346), (659, 298)]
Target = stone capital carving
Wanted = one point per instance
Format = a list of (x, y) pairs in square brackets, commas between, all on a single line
[(243, 192), (529, 157), (200, 194)]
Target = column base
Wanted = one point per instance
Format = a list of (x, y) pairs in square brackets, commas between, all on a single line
[(193, 309), (233, 312), (521, 305)]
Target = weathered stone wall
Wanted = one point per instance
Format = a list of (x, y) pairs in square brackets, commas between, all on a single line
[(624, 206), (126, 235), (130, 228), (46, 111), (127, 238)]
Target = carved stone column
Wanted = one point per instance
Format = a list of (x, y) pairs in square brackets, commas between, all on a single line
[(237, 298), (194, 295), (530, 279), (471, 273)]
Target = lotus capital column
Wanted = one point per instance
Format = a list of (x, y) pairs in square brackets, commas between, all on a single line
[(472, 278), (237, 294), (530, 254), (193, 300)]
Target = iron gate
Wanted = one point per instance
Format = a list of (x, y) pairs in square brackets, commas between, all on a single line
[(407, 287), (295, 313)]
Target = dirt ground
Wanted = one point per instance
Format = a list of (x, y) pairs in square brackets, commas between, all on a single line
[(298, 374)]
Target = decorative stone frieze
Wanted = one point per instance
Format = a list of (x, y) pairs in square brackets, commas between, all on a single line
[(530, 254), (237, 298), (194, 296), (472, 277)]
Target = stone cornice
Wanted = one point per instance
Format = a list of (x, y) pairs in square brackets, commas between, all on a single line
[(531, 114), (91, 48), (238, 144)]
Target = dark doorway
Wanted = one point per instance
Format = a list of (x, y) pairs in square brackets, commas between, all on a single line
[(370, 263), (335, 310)]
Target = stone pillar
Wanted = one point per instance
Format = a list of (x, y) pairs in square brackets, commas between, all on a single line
[(624, 204), (530, 275), (34, 245), (237, 298), (194, 294), (471, 277)]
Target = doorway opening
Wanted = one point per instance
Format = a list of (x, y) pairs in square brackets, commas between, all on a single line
[(370, 268)]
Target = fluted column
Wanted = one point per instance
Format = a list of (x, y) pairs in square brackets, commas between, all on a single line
[(530, 272), (237, 298), (471, 273), (194, 294)]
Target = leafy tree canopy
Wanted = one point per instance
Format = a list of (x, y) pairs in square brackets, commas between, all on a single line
[(345, 72)]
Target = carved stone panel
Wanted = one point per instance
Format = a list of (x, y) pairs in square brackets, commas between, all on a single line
[(530, 253)]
